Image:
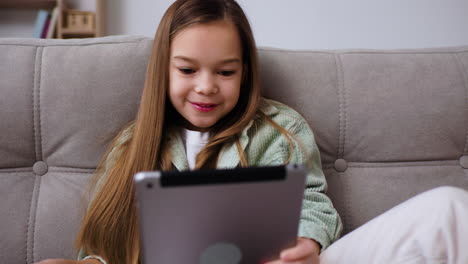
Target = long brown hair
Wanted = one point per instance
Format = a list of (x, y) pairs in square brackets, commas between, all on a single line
[(110, 225)]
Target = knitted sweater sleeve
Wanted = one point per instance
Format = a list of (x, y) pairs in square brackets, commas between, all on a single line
[(319, 219)]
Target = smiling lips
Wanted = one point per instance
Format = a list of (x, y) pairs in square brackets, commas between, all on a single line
[(204, 107)]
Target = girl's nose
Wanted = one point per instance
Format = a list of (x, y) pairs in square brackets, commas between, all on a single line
[(207, 85)]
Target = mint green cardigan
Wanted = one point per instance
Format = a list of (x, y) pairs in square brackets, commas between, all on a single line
[(264, 145)]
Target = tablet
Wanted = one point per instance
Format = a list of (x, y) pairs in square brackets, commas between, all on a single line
[(222, 216)]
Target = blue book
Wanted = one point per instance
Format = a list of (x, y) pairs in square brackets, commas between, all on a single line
[(41, 23)]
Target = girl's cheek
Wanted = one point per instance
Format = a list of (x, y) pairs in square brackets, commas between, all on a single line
[(180, 84)]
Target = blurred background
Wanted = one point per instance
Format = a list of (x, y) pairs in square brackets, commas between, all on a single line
[(293, 24)]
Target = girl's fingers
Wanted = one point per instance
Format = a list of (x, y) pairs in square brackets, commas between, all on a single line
[(274, 262), (282, 262), (305, 251), (305, 248)]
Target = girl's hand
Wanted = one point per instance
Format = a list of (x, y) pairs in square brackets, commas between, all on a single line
[(68, 261), (306, 251)]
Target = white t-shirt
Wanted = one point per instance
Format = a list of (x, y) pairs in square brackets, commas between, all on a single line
[(194, 141)]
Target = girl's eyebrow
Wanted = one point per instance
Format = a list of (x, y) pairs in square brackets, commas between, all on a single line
[(225, 61)]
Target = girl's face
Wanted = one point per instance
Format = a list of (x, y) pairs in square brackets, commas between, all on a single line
[(205, 72)]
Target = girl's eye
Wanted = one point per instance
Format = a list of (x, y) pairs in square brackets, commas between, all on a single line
[(226, 73), (186, 70)]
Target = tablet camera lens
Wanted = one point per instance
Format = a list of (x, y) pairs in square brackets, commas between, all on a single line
[(149, 185)]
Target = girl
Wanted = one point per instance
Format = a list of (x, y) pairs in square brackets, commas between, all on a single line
[(202, 86)]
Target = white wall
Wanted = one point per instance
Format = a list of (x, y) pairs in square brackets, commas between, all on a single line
[(313, 24), (325, 24)]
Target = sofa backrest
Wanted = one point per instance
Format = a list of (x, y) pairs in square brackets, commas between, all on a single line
[(61, 102), (389, 124)]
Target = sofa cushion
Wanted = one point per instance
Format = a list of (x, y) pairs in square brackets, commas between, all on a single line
[(389, 123), (61, 103)]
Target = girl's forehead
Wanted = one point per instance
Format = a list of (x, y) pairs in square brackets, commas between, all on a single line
[(206, 26), (207, 40)]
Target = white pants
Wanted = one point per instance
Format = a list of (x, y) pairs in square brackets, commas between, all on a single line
[(429, 228)]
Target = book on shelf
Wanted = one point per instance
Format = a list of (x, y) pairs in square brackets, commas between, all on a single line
[(42, 21), (46, 27), (53, 22)]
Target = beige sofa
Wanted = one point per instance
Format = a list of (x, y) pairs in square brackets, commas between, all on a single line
[(389, 124)]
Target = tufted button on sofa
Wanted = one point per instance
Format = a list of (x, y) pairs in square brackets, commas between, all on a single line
[(389, 124)]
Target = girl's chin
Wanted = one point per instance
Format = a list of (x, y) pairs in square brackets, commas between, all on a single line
[(199, 126)]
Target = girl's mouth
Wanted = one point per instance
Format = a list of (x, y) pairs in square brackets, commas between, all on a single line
[(204, 107)]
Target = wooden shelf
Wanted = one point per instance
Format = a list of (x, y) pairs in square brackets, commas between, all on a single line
[(63, 29), (28, 4), (67, 31)]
